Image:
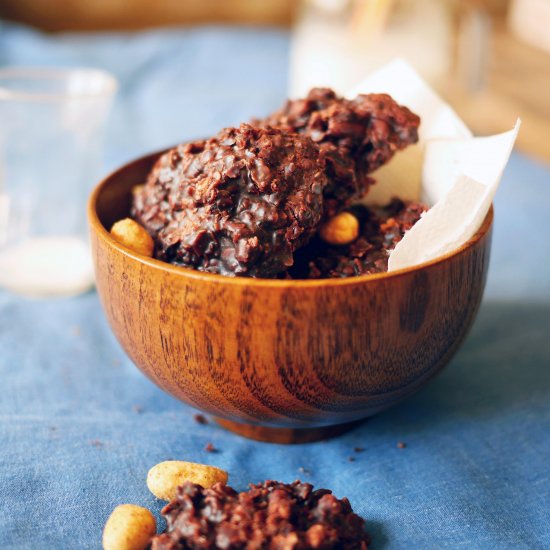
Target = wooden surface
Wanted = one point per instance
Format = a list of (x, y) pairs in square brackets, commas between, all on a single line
[(78, 15), (517, 84), (285, 436), (289, 354)]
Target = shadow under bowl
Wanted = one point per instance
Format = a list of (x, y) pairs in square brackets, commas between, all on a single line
[(276, 360)]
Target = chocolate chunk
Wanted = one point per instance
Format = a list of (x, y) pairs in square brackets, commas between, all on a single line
[(200, 419), (269, 515), (209, 448), (240, 203)]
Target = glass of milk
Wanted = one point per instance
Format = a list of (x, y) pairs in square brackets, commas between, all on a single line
[(51, 133)]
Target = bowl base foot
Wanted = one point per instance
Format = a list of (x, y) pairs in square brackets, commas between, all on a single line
[(285, 435)]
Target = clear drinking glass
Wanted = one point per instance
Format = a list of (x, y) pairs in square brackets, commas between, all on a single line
[(51, 133)]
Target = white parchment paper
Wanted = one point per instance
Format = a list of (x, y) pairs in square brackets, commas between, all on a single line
[(453, 172)]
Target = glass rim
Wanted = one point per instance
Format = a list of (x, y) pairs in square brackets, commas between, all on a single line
[(109, 83)]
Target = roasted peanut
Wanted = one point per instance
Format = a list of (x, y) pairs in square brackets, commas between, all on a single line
[(129, 233), (164, 478), (129, 527), (340, 230), (137, 189)]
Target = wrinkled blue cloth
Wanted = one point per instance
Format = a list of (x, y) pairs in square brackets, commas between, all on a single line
[(80, 426)]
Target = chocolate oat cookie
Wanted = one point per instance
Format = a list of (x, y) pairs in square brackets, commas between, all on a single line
[(355, 136), (271, 515), (380, 230), (246, 201), (240, 203)]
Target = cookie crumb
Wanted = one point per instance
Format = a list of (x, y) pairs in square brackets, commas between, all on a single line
[(209, 448), (138, 409), (200, 419), (96, 443), (401, 445), (359, 449), (351, 459)]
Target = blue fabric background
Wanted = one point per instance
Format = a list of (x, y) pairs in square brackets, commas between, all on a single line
[(80, 426)]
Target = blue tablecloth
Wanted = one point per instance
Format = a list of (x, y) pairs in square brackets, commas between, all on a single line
[(80, 426)]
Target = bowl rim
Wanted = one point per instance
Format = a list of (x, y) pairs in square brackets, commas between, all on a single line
[(180, 271)]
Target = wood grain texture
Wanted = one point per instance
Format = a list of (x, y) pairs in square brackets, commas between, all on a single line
[(76, 15), (289, 354), (517, 83)]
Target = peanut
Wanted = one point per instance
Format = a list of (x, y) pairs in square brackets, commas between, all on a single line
[(129, 527), (164, 478), (340, 230), (137, 189), (132, 235)]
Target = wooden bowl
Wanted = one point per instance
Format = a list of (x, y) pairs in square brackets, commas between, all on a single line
[(276, 360)]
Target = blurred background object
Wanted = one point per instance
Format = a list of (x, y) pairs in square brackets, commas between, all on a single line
[(488, 58), (337, 44), (530, 21), (51, 130), (79, 15)]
